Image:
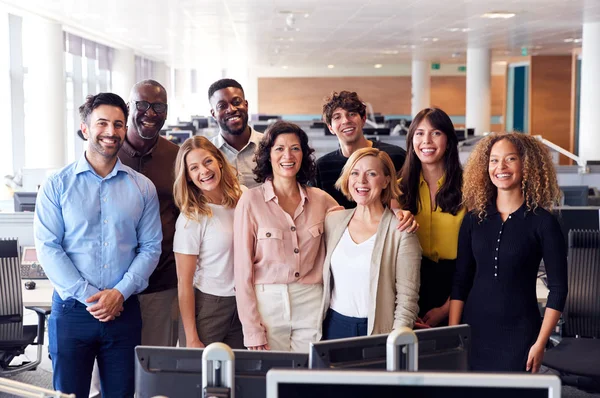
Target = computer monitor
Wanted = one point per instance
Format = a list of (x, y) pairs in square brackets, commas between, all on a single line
[(260, 127), (183, 126), (376, 131), (264, 118), (25, 201), (577, 218), (177, 372), (575, 195), (200, 122), (380, 384), (440, 349), (179, 136)]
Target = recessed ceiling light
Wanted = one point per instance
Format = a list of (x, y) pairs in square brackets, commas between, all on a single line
[(391, 52), (306, 15), (434, 39), (453, 29), (498, 15), (577, 40), (284, 67), (331, 66), (377, 66), (569, 40)]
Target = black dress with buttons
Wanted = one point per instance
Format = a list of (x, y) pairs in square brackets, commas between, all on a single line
[(497, 266)]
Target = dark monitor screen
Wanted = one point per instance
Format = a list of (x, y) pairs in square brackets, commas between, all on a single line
[(576, 195), (361, 384), (461, 134), (443, 348), (376, 131), (264, 118), (260, 127), (577, 218), (25, 201), (182, 126), (177, 372), (200, 122)]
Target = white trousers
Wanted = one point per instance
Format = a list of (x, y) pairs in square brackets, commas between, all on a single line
[(290, 312)]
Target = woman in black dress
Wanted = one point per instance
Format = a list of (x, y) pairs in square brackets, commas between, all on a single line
[(509, 186)]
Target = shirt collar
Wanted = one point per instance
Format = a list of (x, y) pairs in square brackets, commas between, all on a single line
[(131, 151), (255, 138), (492, 210), (269, 191), (440, 182), (83, 165)]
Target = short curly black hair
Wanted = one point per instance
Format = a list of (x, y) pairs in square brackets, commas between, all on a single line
[(264, 170), (349, 101), (221, 84)]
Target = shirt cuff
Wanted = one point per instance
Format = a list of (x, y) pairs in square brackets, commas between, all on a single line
[(125, 288)]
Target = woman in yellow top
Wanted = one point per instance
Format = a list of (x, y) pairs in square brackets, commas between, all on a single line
[(431, 181)]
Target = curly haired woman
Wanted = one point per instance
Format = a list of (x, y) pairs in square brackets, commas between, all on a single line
[(509, 186)]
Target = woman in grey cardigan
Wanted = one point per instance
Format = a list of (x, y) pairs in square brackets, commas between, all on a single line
[(371, 272)]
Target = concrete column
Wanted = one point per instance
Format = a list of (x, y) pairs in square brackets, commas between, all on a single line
[(45, 129), (589, 117), (479, 103), (123, 72), (421, 86), (6, 161)]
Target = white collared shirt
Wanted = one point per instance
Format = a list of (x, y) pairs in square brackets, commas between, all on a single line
[(243, 160)]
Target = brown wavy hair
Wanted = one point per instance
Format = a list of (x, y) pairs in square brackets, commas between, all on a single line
[(264, 169), (539, 184), (188, 197), (348, 101)]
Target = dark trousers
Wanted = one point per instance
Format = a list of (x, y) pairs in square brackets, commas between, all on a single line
[(436, 284), (338, 326), (217, 320), (76, 338)]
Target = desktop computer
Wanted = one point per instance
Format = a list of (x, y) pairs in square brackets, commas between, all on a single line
[(177, 372), (440, 349), (380, 384)]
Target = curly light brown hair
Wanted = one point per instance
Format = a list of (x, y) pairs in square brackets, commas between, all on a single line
[(539, 184)]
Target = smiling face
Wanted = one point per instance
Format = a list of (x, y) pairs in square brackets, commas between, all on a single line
[(146, 124), (367, 181), (505, 166), (347, 125), (429, 143), (105, 130), (286, 156), (204, 170), (230, 110)]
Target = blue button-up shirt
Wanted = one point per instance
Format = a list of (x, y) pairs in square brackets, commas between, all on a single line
[(94, 233)]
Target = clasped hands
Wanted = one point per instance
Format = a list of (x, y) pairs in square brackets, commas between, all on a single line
[(109, 305)]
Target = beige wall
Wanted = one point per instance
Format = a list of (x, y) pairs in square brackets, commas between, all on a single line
[(388, 94)]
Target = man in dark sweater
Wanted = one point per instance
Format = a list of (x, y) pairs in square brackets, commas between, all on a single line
[(145, 151), (345, 115)]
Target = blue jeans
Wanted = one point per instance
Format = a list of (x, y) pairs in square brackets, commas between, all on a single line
[(76, 338), (338, 326)]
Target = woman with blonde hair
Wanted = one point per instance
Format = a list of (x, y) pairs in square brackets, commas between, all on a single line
[(206, 191), (509, 187), (371, 272)]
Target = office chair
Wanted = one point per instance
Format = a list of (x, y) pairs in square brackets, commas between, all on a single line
[(577, 356), (14, 337)]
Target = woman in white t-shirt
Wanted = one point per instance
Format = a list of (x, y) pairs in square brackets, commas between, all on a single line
[(206, 191)]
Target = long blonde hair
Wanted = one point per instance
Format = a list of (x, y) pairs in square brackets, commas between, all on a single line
[(188, 197), (539, 184)]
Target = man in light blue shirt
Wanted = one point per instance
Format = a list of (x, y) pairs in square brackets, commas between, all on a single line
[(98, 237)]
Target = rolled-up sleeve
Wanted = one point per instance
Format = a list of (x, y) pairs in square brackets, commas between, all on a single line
[(149, 232), (244, 238), (408, 281)]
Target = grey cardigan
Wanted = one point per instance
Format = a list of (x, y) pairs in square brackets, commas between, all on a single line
[(395, 275)]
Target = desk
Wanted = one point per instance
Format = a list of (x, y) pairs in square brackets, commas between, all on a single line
[(541, 292), (41, 296)]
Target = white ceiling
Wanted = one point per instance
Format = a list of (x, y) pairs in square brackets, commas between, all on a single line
[(349, 33)]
